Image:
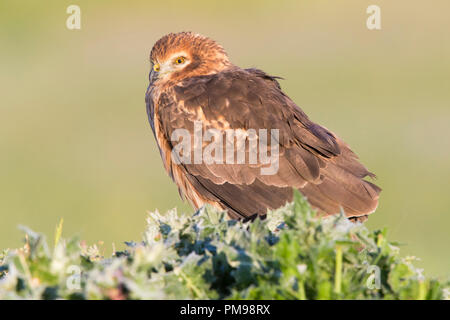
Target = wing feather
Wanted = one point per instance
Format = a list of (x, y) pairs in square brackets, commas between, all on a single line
[(312, 159)]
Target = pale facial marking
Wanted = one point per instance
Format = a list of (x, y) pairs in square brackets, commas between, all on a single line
[(175, 62)]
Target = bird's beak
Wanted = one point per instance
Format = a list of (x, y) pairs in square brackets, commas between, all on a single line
[(153, 76)]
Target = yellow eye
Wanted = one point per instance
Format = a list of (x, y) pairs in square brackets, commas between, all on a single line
[(179, 60), (156, 67)]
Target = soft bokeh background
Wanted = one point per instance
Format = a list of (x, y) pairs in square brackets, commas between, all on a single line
[(74, 137)]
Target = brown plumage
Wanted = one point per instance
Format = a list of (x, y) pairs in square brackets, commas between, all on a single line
[(192, 80)]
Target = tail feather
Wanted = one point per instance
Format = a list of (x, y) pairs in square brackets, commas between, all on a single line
[(344, 187)]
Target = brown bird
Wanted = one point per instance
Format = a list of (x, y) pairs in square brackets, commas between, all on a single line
[(194, 89)]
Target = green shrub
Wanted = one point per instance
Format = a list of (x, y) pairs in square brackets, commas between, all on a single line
[(293, 254)]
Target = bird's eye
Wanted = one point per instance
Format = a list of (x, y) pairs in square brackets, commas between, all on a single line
[(179, 60), (156, 67)]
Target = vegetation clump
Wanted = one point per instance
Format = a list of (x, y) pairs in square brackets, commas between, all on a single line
[(293, 254)]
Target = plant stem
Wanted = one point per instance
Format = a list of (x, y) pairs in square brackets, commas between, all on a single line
[(338, 271), (422, 290), (301, 289)]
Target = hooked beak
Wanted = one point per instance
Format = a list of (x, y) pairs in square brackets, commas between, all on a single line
[(159, 71), (153, 76)]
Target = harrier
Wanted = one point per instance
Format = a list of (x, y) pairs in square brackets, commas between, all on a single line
[(195, 87)]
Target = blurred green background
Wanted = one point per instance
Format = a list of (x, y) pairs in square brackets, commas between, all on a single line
[(74, 137)]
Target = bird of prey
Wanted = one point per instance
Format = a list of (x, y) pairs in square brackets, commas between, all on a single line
[(192, 82)]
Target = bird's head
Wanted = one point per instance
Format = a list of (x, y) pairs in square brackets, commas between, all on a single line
[(178, 56)]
